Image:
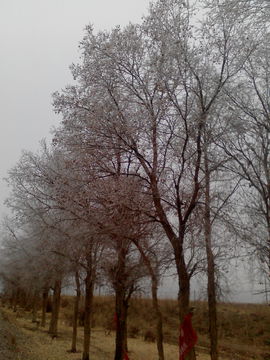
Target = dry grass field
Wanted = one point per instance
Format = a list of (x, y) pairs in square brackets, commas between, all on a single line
[(244, 331), (42, 347)]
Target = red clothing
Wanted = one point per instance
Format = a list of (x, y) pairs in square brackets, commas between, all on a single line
[(187, 338)]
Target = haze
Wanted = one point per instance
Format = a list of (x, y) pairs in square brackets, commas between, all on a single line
[(39, 40)]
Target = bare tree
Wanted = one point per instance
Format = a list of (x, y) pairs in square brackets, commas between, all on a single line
[(250, 147)]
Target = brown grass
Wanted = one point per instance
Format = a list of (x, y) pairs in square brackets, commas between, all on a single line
[(244, 331), (42, 347)]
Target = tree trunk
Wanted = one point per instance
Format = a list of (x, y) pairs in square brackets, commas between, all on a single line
[(11, 300), (76, 313), (121, 303), (34, 307), (184, 289), (15, 300), (45, 296), (211, 285), (178, 241), (121, 309), (212, 311), (89, 288), (159, 324), (55, 308)]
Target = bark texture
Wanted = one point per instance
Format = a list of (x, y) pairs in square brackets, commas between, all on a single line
[(89, 288), (53, 329), (211, 285), (76, 313), (121, 303), (34, 307), (45, 296)]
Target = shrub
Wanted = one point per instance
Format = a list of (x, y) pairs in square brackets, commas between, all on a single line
[(65, 302), (133, 331), (49, 305), (81, 317), (149, 336)]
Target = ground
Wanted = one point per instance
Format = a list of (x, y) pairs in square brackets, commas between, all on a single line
[(13, 341), (22, 340)]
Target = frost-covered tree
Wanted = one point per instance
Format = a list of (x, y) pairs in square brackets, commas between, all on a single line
[(147, 91), (250, 147)]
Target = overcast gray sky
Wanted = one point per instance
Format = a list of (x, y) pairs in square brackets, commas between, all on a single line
[(39, 40)]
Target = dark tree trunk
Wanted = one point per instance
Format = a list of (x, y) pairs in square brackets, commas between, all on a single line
[(15, 298), (212, 311), (53, 329), (122, 296), (121, 307), (159, 323), (76, 313), (178, 241), (11, 300), (89, 289), (34, 307), (184, 287), (45, 296), (211, 285)]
